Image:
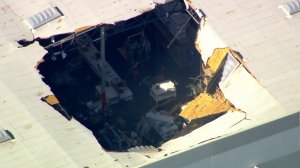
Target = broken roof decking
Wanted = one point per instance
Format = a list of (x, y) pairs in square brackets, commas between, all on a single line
[(267, 40), (241, 87), (205, 105)]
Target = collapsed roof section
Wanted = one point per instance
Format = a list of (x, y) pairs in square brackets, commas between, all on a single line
[(253, 104), (229, 72), (268, 41)]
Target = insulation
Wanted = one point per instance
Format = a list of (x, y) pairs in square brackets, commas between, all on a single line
[(213, 102), (51, 100), (205, 105), (216, 59)]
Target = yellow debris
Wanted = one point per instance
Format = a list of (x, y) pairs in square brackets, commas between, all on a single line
[(39, 62), (51, 99), (81, 29), (216, 59), (205, 105)]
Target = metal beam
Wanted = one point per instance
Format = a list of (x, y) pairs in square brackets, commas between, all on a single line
[(72, 36), (102, 50)]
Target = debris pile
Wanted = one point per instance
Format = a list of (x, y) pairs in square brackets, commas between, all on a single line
[(157, 127), (205, 105), (209, 102)]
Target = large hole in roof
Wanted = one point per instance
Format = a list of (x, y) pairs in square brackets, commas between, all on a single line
[(143, 53)]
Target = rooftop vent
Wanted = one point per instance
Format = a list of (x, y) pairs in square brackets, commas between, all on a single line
[(230, 64), (290, 7), (6, 135), (43, 17)]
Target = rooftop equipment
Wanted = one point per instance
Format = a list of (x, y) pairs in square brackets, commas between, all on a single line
[(290, 7), (43, 17), (6, 135)]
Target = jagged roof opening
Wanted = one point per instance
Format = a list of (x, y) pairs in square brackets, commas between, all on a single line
[(155, 47)]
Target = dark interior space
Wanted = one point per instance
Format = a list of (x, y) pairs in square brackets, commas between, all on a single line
[(143, 51)]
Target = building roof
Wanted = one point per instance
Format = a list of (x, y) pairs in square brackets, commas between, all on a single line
[(271, 145), (43, 137), (269, 43), (266, 38), (76, 14)]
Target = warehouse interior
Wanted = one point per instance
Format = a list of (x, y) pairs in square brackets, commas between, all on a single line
[(152, 70)]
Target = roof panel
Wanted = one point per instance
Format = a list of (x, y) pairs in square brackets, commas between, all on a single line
[(40, 131), (32, 121), (263, 35)]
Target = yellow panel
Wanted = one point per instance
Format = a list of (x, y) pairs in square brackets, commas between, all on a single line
[(51, 99), (216, 59), (205, 105)]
